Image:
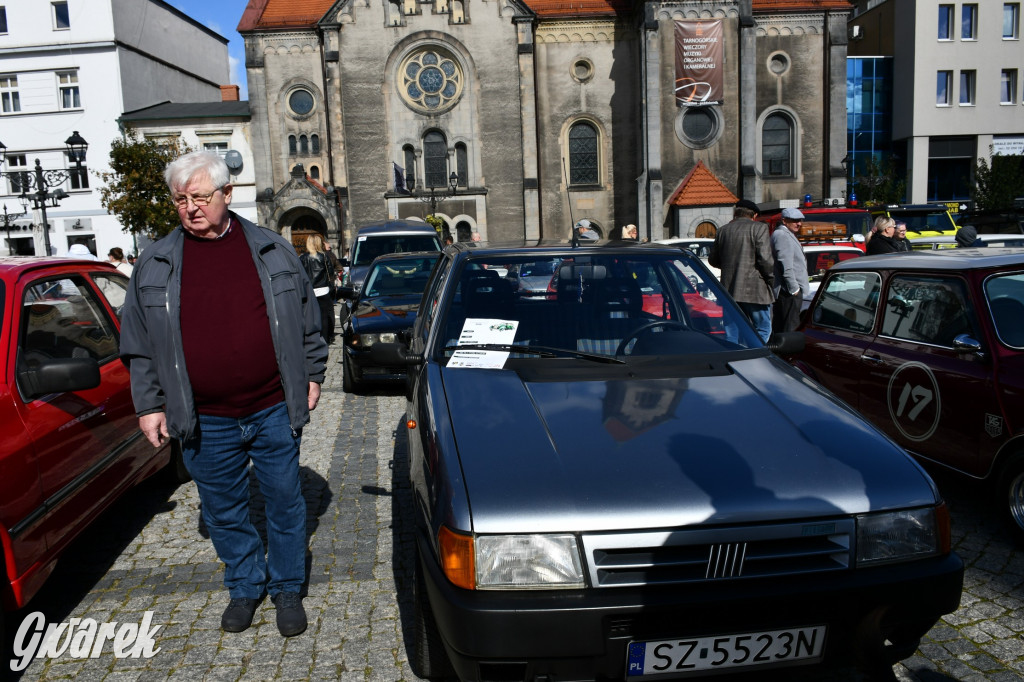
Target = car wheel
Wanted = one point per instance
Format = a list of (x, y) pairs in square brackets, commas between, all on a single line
[(348, 379), (1011, 488), (176, 471), (430, 660)]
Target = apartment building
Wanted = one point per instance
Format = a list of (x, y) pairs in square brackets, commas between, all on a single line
[(76, 65), (956, 89)]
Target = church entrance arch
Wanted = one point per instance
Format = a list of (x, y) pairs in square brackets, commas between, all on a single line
[(298, 224)]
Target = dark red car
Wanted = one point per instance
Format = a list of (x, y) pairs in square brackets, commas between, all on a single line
[(70, 443), (929, 346)]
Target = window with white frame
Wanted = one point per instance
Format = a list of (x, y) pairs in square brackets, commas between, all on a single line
[(435, 159), (3, 20), (77, 175), (17, 169), (1008, 87), (1011, 21), (10, 100), (968, 78), (67, 83), (969, 22), (220, 147), (946, 22), (943, 88), (61, 17)]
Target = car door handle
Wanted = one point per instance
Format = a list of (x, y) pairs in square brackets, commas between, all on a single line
[(873, 359)]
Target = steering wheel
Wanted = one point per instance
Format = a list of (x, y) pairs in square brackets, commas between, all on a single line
[(643, 329)]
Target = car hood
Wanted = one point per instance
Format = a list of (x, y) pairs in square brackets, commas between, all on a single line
[(753, 443), (385, 313)]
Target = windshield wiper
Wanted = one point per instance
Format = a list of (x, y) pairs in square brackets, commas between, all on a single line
[(541, 351)]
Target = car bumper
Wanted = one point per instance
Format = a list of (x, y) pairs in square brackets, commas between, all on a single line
[(366, 369), (584, 634)]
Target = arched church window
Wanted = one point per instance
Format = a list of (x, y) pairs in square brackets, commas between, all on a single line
[(303, 144), (777, 146), (293, 146), (435, 159), (462, 164), (583, 154), (314, 141)]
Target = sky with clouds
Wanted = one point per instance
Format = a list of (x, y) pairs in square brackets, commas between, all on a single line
[(221, 16)]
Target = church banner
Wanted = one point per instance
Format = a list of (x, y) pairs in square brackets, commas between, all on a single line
[(699, 55)]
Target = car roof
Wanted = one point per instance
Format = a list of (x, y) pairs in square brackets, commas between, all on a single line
[(546, 248), (394, 226), (406, 255), (815, 248), (10, 265), (942, 259), (908, 207)]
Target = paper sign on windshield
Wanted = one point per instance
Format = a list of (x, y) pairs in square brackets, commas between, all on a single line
[(479, 331)]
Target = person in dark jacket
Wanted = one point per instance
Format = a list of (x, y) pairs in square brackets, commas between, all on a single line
[(967, 236), (743, 252), (321, 272), (900, 237), (220, 331), (884, 240)]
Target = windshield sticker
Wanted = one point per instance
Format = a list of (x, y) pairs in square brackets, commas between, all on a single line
[(484, 332), (914, 401)]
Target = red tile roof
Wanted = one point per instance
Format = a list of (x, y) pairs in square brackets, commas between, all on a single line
[(700, 187), (266, 14), (579, 8)]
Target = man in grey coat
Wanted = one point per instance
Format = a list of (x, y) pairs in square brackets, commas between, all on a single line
[(743, 253), (791, 283), (221, 334)]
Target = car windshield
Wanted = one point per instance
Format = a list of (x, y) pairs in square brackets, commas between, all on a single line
[(925, 220), (1006, 301), (404, 277), (370, 247), (597, 306)]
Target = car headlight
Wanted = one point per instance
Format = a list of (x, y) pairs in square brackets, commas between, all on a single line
[(902, 535), (364, 340), (522, 562)]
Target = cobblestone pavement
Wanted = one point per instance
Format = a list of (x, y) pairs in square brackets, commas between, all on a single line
[(150, 553)]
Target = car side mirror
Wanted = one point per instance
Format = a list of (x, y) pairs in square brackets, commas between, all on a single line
[(58, 375), (346, 292), (786, 343), (394, 354), (965, 343)]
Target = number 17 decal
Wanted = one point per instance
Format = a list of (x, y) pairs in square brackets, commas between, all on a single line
[(914, 401), (921, 396)]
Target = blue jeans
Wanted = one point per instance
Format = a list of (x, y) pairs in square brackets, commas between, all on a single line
[(761, 316), (218, 458)]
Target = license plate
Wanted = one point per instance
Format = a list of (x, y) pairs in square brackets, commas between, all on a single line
[(700, 654)]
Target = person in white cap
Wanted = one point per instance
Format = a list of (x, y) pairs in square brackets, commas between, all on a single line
[(791, 283)]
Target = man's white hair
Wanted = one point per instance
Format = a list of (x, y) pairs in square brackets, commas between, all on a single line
[(183, 169)]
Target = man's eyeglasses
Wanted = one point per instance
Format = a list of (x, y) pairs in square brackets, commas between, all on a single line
[(181, 200)]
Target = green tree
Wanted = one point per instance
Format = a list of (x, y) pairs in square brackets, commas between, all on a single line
[(879, 183), (998, 184), (134, 188)]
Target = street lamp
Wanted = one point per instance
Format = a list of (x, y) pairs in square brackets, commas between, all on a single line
[(41, 181), (435, 194), (8, 219)]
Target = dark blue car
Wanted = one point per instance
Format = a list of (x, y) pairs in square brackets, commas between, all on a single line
[(619, 480), (382, 309)]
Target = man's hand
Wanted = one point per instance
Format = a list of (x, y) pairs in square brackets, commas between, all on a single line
[(154, 427), (314, 395)]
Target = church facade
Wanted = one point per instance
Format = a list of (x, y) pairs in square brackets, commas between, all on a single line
[(512, 119)]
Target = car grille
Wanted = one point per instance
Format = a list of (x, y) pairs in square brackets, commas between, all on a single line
[(685, 556)]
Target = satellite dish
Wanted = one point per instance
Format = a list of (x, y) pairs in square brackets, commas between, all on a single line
[(234, 160)]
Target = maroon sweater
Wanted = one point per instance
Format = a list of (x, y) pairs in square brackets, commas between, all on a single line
[(225, 331)]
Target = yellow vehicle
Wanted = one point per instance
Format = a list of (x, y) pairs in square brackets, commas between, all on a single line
[(923, 220)]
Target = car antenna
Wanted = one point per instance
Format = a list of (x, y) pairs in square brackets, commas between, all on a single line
[(575, 235)]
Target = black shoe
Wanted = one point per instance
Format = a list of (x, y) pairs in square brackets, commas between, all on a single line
[(291, 617), (238, 615)]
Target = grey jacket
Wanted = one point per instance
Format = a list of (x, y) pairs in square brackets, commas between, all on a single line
[(743, 253), (790, 262), (151, 345)]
